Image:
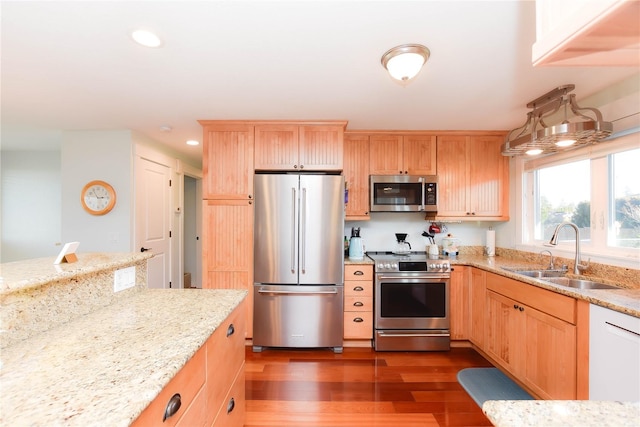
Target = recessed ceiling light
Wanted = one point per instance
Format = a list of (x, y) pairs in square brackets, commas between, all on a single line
[(146, 38), (165, 128), (193, 142)]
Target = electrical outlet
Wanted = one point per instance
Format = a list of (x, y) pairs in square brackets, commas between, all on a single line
[(124, 278)]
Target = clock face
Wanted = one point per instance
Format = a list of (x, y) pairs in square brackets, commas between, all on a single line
[(98, 197)]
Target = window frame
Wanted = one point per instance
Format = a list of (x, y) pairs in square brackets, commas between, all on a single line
[(600, 187)]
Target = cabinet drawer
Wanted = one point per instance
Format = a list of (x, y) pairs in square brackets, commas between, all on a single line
[(358, 289), (225, 356), (358, 303), (232, 412), (557, 305), (358, 272), (358, 325), (187, 383)]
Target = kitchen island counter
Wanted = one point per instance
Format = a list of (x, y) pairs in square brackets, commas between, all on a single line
[(565, 413), (105, 367)]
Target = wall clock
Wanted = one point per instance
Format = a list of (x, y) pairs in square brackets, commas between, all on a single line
[(98, 197)]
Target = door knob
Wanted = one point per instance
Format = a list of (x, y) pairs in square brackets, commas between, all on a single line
[(144, 249)]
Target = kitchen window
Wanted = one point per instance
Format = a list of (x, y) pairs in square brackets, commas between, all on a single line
[(596, 187)]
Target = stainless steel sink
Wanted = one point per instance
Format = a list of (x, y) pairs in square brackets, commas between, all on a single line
[(537, 273), (579, 283)]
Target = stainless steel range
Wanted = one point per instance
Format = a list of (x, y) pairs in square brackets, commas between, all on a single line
[(411, 302)]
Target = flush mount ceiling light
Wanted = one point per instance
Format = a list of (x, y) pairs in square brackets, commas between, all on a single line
[(404, 62), (146, 38), (536, 137), (193, 142)]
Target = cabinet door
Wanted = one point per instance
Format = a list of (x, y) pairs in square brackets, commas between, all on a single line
[(550, 362), (453, 176), (227, 162), (419, 154), (356, 176), (321, 148), (385, 155), (227, 248), (276, 147), (489, 180), (477, 295), (504, 339), (459, 304)]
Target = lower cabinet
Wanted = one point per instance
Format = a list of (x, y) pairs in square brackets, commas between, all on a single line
[(532, 334), (358, 302), (459, 303), (209, 389), (477, 291)]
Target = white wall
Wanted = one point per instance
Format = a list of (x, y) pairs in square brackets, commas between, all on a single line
[(378, 234), (107, 156), (31, 202)]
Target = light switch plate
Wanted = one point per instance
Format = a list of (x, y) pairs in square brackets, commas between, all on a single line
[(124, 278)]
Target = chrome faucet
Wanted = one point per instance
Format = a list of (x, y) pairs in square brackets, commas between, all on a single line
[(551, 265), (578, 268)]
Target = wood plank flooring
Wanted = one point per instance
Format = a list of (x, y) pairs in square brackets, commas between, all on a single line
[(359, 388)]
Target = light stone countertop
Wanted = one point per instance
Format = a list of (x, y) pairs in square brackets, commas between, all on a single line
[(561, 413), (105, 367)]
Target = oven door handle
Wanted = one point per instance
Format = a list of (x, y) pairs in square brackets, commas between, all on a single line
[(382, 333), (428, 277)]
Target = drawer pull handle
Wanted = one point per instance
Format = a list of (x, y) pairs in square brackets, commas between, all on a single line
[(172, 407), (358, 289), (230, 330), (231, 405), (358, 273), (358, 304), (358, 320)]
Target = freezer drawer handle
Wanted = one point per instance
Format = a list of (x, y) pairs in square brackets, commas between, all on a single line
[(230, 330), (172, 407), (266, 291)]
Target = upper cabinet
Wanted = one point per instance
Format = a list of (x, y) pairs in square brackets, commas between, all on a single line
[(402, 154), (356, 176), (473, 178), (587, 33), (227, 161), (299, 146)]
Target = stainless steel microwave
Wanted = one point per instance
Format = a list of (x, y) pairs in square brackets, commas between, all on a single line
[(403, 193)]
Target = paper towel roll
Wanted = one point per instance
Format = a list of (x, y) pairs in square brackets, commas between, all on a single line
[(490, 246)]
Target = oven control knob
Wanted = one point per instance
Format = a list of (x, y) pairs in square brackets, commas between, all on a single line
[(394, 265), (432, 266), (387, 265)]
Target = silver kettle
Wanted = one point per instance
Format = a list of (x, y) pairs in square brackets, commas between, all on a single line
[(356, 247)]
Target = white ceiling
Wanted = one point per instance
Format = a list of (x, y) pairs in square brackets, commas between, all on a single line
[(71, 65)]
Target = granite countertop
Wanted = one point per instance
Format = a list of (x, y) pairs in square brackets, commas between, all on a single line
[(625, 300), (561, 413), (105, 367), (364, 261)]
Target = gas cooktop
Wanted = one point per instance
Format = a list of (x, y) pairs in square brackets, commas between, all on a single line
[(410, 261)]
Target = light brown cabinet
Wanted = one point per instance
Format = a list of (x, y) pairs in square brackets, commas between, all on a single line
[(473, 178), (398, 154), (227, 248), (206, 383), (227, 161), (299, 146), (459, 302), (477, 292), (532, 333), (356, 176), (358, 302)]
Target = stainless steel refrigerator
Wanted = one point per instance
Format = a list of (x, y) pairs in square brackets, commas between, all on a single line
[(298, 261)]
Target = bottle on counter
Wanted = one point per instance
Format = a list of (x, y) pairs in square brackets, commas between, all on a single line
[(346, 247)]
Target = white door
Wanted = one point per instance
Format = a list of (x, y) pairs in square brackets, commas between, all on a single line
[(153, 227)]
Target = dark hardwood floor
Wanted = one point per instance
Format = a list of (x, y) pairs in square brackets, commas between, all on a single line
[(359, 388)]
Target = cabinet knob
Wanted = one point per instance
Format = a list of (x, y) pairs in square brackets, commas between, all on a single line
[(295, 166), (172, 406)]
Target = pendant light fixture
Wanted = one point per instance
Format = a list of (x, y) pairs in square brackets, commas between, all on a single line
[(535, 137), (404, 62)]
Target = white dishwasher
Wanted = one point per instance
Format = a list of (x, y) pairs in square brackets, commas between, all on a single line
[(614, 355)]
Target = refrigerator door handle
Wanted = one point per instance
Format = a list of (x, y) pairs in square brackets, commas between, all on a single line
[(293, 230), (297, 292), (303, 230)]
